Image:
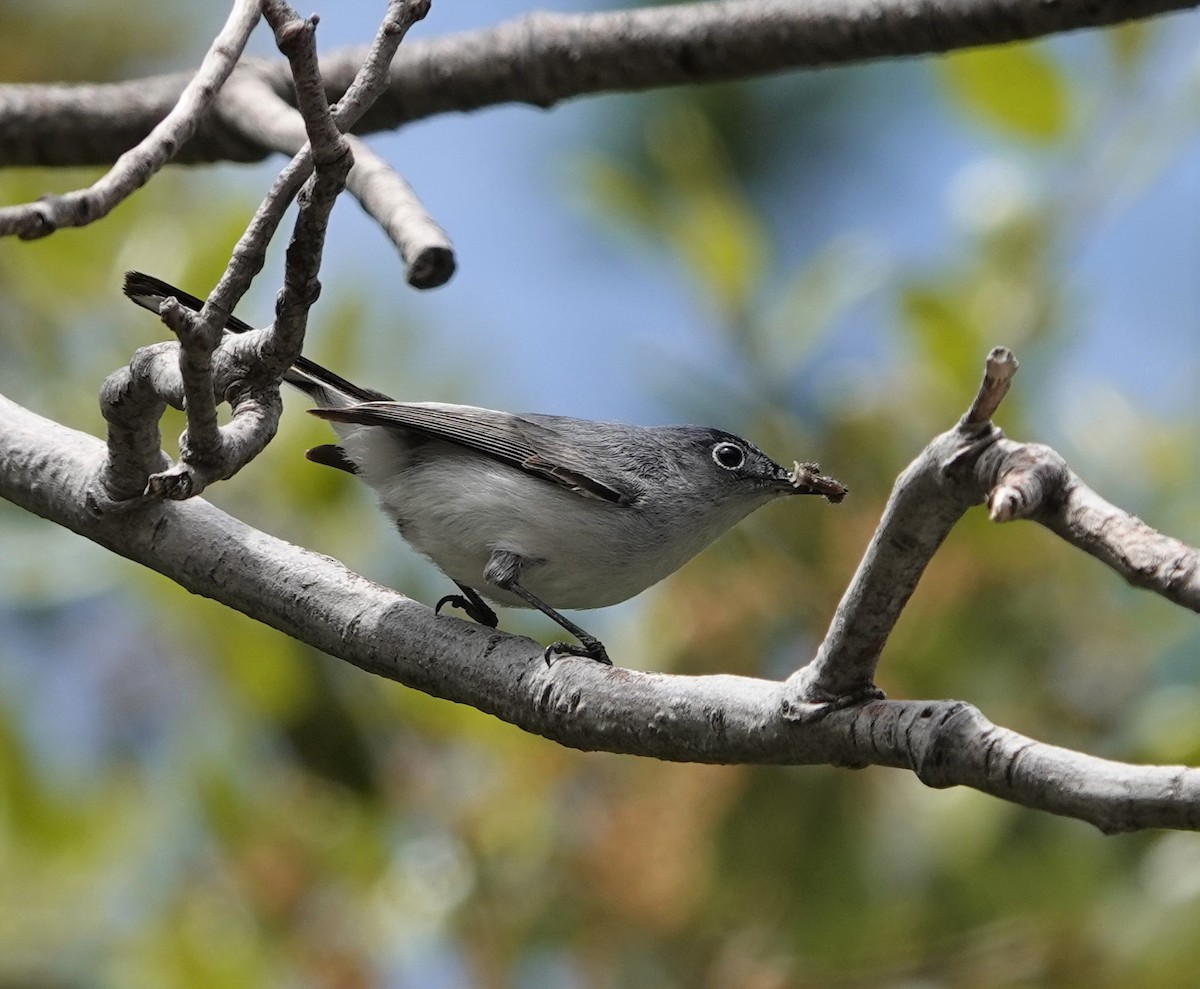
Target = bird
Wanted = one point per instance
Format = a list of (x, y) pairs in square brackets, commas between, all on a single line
[(531, 510)]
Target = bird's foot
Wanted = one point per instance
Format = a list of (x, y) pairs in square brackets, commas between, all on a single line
[(588, 648), (477, 611)]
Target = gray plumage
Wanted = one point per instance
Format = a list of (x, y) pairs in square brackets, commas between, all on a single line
[(535, 510)]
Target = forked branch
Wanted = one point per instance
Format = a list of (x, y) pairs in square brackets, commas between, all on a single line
[(927, 500), (209, 365), (1031, 481)]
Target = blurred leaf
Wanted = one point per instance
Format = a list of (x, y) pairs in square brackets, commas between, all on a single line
[(619, 195), (1128, 44), (267, 672), (816, 295), (686, 147), (942, 327), (25, 806), (724, 245), (1015, 88), (692, 204), (327, 739), (1162, 726), (111, 35)]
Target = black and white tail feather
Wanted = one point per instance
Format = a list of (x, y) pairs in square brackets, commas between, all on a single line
[(325, 387)]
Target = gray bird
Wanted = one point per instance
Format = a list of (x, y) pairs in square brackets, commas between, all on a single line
[(536, 511)]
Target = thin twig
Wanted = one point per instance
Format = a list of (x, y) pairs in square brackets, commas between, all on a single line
[(332, 159), (210, 452), (251, 106), (997, 379), (251, 250), (202, 443), (1032, 481)]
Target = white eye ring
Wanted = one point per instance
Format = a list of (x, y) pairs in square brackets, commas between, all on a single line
[(729, 456)]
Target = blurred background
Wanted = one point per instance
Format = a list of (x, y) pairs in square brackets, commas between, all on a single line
[(819, 261)]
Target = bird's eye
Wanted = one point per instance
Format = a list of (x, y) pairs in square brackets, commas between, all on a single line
[(729, 455)]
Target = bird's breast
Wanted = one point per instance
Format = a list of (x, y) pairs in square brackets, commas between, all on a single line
[(579, 552), (457, 507)]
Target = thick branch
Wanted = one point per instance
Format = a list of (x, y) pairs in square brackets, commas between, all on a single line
[(47, 469), (542, 59)]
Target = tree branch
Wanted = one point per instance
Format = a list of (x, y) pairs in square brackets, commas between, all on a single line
[(251, 106), (245, 370), (542, 59), (927, 501), (968, 465), (1032, 481), (47, 469), (829, 711)]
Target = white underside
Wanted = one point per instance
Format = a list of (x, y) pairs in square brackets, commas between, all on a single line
[(457, 507)]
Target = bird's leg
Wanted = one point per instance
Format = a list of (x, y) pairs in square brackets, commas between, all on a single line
[(469, 601), (503, 569)]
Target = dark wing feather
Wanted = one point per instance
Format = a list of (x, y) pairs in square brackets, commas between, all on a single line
[(150, 293), (536, 448)]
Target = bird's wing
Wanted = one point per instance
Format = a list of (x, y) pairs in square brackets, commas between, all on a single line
[(538, 448)]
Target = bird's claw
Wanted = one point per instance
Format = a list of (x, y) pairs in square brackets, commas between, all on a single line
[(454, 600), (484, 616), (593, 649)]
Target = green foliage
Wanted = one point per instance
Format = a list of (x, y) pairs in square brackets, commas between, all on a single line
[(688, 202), (1015, 88), (114, 34)]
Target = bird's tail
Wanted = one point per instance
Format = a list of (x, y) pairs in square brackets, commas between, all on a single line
[(327, 389)]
